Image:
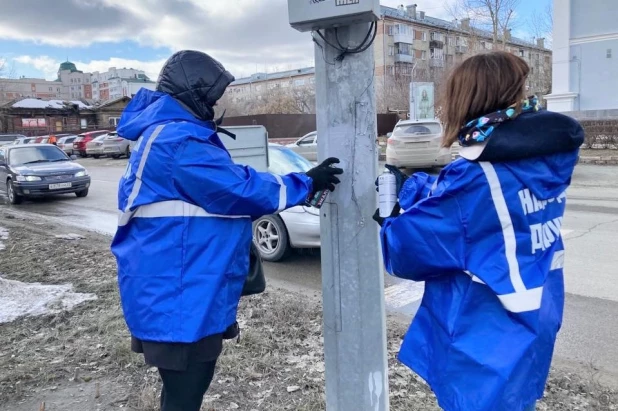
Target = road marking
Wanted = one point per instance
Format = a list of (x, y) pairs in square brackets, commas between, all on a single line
[(403, 293)]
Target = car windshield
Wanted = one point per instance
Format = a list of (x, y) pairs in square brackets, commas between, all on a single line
[(30, 155), (417, 129), (284, 161)]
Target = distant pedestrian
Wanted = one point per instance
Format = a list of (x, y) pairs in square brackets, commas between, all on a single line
[(184, 235), (52, 140), (485, 238)]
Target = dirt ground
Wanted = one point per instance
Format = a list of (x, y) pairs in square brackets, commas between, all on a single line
[(81, 361)]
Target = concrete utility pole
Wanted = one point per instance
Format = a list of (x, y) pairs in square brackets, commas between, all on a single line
[(352, 280)]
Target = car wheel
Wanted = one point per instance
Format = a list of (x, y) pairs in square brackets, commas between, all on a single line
[(271, 238), (95, 156), (116, 156), (82, 193), (128, 152), (14, 198)]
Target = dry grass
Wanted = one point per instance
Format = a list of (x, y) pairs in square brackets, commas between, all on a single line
[(278, 364)]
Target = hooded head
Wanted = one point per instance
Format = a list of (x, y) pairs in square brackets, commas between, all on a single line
[(195, 80)]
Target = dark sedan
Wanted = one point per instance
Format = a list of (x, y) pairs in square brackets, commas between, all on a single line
[(40, 170)]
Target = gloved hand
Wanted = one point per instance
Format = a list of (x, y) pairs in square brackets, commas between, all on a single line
[(380, 220), (399, 177), (324, 176)]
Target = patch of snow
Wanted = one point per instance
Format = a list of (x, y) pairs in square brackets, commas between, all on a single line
[(4, 235), (43, 104), (19, 299)]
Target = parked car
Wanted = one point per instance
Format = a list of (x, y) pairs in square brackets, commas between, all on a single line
[(79, 145), (40, 170), (306, 146), (24, 140), (417, 144), (94, 147), (6, 139), (116, 146), (66, 144), (298, 227)]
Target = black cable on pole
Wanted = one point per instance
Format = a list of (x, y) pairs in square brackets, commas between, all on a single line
[(363, 46)]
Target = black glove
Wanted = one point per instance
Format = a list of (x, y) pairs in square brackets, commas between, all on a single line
[(380, 220), (399, 177), (324, 176)]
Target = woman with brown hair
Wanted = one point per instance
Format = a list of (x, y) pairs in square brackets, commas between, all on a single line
[(485, 238)]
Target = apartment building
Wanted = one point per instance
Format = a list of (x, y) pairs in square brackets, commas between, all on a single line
[(70, 84), (259, 84), (411, 46), (116, 83)]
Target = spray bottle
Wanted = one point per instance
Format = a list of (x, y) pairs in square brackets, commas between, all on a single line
[(387, 192)]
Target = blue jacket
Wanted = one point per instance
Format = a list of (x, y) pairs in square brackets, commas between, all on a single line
[(485, 238), (184, 233)]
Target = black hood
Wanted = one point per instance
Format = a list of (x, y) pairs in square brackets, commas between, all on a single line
[(195, 80), (529, 135)]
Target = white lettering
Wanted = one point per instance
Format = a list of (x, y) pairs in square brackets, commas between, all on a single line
[(542, 236), (536, 236), (526, 201)]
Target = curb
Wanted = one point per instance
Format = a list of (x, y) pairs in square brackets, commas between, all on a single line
[(610, 161)]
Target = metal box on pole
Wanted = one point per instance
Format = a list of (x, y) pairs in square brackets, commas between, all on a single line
[(308, 15)]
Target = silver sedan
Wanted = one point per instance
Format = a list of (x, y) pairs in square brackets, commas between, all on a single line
[(298, 227)]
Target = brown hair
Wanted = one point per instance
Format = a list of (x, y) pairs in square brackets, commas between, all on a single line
[(481, 85)]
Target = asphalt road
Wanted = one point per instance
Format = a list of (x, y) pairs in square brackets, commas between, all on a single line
[(590, 331)]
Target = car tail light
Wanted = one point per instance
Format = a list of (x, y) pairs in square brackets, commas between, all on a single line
[(119, 139), (392, 142)]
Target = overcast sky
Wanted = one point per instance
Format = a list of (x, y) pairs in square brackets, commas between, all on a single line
[(245, 35)]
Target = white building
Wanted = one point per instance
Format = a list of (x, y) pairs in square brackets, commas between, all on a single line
[(585, 60), (116, 83)]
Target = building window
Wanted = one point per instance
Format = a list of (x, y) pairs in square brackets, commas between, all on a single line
[(113, 121), (299, 82), (437, 54), (437, 36), (391, 50), (51, 89), (390, 29), (58, 89), (424, 55), (405, 49), (522, 53), (424, 36), (450, 41), (609, 53)]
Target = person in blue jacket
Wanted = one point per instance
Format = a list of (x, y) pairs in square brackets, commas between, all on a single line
[(485, 238), (184, 232)]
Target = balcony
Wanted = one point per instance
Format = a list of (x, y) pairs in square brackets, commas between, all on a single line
[(461, 49), (404, 58), (403, 38), (436, 62), (436, 44)]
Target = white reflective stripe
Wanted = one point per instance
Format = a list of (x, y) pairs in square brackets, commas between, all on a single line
[(283, 193), (522, 301), (557, 261), (508, 232), (172, 208), (475, 278), (138, 175)]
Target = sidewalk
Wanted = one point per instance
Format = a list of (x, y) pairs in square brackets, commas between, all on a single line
[(80, 359)]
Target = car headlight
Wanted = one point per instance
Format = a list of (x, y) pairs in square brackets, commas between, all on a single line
[(82, 173), (28, 178)]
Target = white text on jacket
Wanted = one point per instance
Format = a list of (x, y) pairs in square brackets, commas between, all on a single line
[(545, 234)]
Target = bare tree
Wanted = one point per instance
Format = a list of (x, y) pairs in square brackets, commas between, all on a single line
[(496, 15), (275, 100), (541, 24)]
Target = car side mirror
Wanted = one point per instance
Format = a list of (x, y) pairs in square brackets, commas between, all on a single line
[(73, 157)]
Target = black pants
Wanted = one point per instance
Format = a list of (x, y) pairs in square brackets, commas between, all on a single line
[(184, 390)]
